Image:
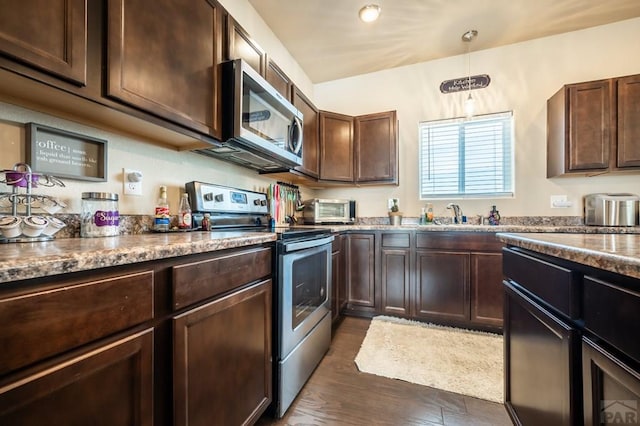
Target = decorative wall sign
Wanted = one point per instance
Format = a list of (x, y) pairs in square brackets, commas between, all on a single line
[(65, 154), (461, 84)]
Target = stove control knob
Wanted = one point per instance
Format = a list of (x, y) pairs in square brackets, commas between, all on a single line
[(263, 202), (219, 198), (208, 196), (256, 202)]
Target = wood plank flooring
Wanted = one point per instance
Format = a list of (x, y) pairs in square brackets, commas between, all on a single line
[(338, 394)]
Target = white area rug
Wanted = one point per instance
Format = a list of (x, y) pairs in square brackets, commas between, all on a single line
[(451, 359)]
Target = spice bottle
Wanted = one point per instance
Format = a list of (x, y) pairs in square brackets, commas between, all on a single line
[(162, 217), (206, 222), (429, 214), (494, 216), (184, 213)]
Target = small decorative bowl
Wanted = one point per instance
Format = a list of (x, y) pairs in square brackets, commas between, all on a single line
[(54, 226), (10, 226), (32, 226)]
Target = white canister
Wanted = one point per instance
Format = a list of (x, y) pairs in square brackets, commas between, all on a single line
[(100, 216)]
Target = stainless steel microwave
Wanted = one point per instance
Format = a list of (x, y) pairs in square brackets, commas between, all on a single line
[(318, 210), (260, 128)]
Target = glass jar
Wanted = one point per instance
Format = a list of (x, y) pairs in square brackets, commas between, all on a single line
[(100, 216)]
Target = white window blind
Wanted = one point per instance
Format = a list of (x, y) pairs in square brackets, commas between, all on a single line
[(467, 158)]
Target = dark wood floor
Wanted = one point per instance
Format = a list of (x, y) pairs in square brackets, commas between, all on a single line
[(338, 394)]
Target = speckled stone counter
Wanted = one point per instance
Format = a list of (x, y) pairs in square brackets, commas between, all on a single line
[(619, 253), (30, 260), (580, 229)]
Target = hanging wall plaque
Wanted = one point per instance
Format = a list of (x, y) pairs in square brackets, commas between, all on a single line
[(461, 84), (66, 154)]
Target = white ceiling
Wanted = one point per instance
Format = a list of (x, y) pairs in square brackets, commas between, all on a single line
[(329, 41)]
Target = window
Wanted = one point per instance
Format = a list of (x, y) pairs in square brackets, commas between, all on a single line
[(467, 158)]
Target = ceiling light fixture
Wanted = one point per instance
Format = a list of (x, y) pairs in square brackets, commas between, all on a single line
[(369, 13), (470, 103)]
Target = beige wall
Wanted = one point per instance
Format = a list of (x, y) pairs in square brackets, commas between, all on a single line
[(523, 77)]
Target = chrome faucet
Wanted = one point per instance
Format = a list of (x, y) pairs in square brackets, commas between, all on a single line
[(457, 212)]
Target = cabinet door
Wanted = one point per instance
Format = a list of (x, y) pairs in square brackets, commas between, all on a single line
[(50, 35), (589, 117), (240, 45), (395, 281), (165, 62), (376, 148), (362, 294), (335, 286), (310, 142), (540, 386), (629, 121), (611, 389), (222, 359), (110, 385), (279, 80), (336, 147), (487, 294), (342, 278), (442, 286)]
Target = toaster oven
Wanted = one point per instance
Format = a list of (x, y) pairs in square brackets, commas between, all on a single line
[(318, 211), (611, 209)]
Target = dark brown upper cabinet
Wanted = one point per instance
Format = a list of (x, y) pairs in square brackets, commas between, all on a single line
[(61, 50), (172, 74), (279, 80), (592, 127), (376, 148), (336, 147), (361, 150), (628, 129), (310, 143), (240, 45)]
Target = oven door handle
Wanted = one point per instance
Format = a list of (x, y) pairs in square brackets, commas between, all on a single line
[(302, 245)]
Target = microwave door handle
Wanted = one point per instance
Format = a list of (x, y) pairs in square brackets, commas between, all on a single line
[(295, 135)]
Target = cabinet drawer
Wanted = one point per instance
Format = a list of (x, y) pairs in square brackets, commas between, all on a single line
[(555, 285), (613, 314), (396, 240), (193, 282), (458, 240), (41, 324)]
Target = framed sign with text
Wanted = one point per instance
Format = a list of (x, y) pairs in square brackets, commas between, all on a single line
[(65, 154)]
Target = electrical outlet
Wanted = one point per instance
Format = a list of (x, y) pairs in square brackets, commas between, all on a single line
[(132, 182), (559, 202)]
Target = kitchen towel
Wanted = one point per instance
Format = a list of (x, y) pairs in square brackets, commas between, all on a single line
[(456, 360)]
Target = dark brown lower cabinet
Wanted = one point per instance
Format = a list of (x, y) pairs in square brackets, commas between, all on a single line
[(111, 384), (395, 281), (222, 359), (361, 275), (611, 389), (487, 294), (338, 278), (540, 353), (442, 286)]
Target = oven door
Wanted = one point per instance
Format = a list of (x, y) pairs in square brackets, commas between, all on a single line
[(305, 289)]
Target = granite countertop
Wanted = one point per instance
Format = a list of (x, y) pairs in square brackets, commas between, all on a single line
[(619, 253), (580, 229), (30, 260)]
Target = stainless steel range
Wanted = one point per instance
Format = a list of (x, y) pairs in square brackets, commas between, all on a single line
[(302, 280)]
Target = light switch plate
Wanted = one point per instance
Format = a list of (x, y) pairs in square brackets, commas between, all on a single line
[(560, 202), (131, 187)]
